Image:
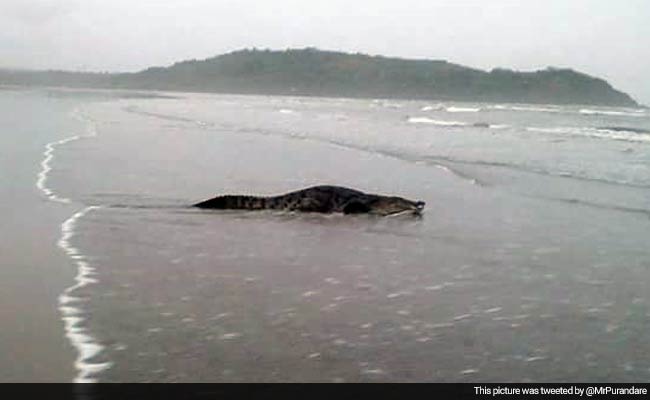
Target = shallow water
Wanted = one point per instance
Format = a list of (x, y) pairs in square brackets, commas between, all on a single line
[(33, 271), (529, 264)]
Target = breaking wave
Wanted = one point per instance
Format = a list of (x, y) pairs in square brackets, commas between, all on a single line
[(436, 107), (637, 113), (462, 109), (612, 133), (526, 108), (430, 121), (626, 113), (624, 129), (425, 120)]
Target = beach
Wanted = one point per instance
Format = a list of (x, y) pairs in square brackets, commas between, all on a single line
[(529, 264)]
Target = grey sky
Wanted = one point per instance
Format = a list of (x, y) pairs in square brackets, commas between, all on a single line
[(606, 38)]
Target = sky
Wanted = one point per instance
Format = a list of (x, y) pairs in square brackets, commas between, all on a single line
[(604, 38)]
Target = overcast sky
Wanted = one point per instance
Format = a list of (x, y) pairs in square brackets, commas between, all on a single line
[(605, 38)]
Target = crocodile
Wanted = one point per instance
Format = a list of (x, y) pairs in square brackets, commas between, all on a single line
[(319, 199)]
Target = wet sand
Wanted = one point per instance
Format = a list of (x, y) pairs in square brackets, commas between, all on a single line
[(34, 273), (36, 266), (33, 270)]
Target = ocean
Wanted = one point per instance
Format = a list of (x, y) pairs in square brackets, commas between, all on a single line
[(530, 263)]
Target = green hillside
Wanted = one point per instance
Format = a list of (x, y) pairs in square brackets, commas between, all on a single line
[(311, 72)]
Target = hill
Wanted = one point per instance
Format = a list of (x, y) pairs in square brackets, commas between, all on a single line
[(312, 72)]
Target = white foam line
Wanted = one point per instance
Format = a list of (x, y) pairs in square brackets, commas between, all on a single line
[(462, 109), (499, 126), (41, 182), (437, 107), (586, 111), (425, 120), (595, 133), (48, 155), (72, 315)]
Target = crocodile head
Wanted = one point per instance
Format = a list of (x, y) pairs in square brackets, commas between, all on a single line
[(384, 206)]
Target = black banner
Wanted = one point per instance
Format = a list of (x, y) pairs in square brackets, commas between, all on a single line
[(110, 391)]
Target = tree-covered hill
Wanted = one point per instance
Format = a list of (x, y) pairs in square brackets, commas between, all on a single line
[(312, 72)]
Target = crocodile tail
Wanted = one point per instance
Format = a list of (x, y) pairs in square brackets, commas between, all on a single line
[(233, 203)]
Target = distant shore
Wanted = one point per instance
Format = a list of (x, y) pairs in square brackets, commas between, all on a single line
[(316, 73)]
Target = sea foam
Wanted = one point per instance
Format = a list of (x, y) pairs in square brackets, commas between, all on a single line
[(462, 109), (72, 315), (525, 108), (425, 120), (598, 133), (627, 113)]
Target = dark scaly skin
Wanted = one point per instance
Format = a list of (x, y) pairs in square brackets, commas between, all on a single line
[(322, 199)]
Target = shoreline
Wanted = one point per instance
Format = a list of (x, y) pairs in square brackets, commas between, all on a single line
[(34, 271), (73, 316), (172, 94)]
